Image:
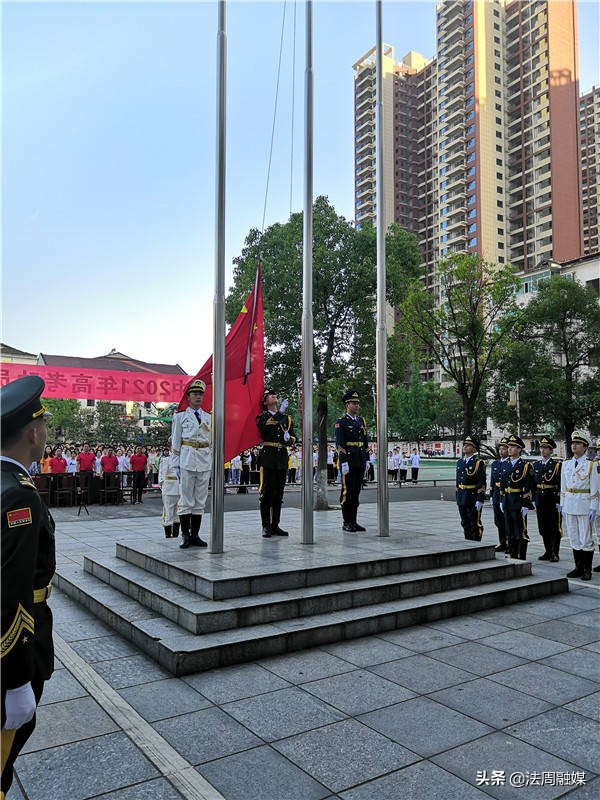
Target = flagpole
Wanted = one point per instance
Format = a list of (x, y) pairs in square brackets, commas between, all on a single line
[(307, 296), (383, 515), (218, 413)]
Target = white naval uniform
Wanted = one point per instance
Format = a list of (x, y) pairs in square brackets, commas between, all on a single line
[(169, 489), (579, 494), (190, 442)]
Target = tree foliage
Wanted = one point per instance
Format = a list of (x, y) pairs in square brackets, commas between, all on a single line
[(344, 304), (556, 362), (476, 313)]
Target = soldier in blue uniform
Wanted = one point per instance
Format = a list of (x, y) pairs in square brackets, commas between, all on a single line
[(546, 473), (28, 564), (470, 489), (498, 465), (516, 489), (277, 432), (352, 445)]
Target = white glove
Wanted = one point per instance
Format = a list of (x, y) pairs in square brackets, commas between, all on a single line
[(524, 512), (478, 505), (286, 436), (559, 508), (502, 507), (593, 513), (345, 468), (177, 472), (20, 706), (283, 406)]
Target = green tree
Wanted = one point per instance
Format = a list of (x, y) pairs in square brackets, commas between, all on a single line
[(111, 423), (556, 362), (462, 333), (344, 291), (69, 420)]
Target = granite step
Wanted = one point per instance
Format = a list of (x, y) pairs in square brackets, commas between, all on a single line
[(221, 578), (200, 615), (182, 652)]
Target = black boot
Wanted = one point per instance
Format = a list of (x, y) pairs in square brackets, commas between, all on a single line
[(578, 571), (195, 540), (522, 551), (175, 534), (265, 517), (587, 557), (597, 567), (168, 531), (275, 529), (185, 520), (357, 527)]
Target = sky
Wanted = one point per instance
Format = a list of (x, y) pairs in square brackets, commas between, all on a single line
[(108, 155)]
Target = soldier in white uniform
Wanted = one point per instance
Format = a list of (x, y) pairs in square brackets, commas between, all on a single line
[(168, 481), (191, 440), (579, 497)]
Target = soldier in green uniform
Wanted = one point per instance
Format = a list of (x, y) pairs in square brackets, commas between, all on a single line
[(277, 432), (352, 444), (28, 564)]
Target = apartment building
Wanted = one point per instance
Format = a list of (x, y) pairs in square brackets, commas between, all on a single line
[(485, 135), (589, 133)]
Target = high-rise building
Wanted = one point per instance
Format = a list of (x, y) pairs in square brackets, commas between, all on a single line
[(486, 143), (589, 132)]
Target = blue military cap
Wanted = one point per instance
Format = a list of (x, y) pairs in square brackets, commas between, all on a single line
[(471, 439), (504, 441), (515, 441), (20, 402), (548, 441)]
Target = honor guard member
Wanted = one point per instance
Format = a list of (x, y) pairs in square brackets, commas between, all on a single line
[(516, 488), (579, 493), (546, 473), (28, 564), (191, 440), (168, 481), (498, 465), (277, 432), (470, 489), (352, 444)]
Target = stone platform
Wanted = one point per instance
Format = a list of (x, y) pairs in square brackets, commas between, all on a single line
[(194, 610)]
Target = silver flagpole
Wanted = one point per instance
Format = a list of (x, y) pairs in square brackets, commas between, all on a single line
[(383, 510), (218, 415), (307, 317)]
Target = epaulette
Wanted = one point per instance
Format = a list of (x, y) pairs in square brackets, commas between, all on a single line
[(25, 480)]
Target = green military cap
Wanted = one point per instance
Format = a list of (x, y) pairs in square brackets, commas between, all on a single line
[(351, 397), (515, 441), (20, 402)]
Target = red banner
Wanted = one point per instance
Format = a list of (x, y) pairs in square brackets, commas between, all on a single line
[(100, 384)]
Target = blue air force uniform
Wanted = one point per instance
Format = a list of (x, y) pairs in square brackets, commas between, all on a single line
[(352, 445), (470, 492), (516, 487), (547, 475)]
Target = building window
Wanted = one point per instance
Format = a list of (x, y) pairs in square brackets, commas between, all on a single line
[(499, 176), (472, 227), (444, 251), (445, 237), (497, 80), (499, 204), (471, 200), (500, 245), (499, 190), (470, 157), (500, 231), (90, 403), (501, 259), (497, 93), (444, 197), (472, 213), (496, 40), (470, 172), (498, 148), (500, 218), (469, 102), (473, 242), (470, 74), (471, 186), (498, 162), (470, 87), (470, 115), (470, 130), (471, 143)]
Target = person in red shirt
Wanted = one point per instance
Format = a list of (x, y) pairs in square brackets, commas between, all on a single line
[(138, 463), (109, 462), (86, 460), (58, 464)]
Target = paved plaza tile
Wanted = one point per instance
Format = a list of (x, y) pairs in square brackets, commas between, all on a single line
[(368, 651), (509, 756), (559, 630), (421, 638), (69, 721), (306, 666), (83, 769), (476, 658), (424, 726), (204, 735), (357, 692), (524, 644), (104, 648), (553, 685), (422, 781), (491, 703), (130, 671), (261, 774), (163, 699), (565, 734), (345, 754), (61, 686), (582, 661), (282, 713), (422, 674), (235, 683), (468, 627), (588, 706), (158, 789)]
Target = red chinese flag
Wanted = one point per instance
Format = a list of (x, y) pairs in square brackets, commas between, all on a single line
[(244, 375)]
